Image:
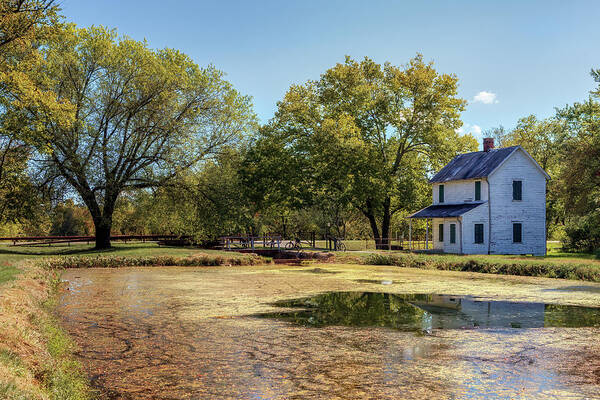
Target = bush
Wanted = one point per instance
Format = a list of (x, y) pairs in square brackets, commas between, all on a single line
[(522, 268), (155, 261), (582, 234)]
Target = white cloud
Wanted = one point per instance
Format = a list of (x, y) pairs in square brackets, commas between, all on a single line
[(476, 129), (468, 128), (485, 98)]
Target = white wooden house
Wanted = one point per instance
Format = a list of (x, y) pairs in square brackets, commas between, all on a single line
[(489, 202)]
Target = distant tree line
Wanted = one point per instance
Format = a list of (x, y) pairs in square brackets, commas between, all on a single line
[(100, 133)]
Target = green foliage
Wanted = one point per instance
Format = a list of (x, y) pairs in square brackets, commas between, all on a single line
[(580, 177), (204, 203), (70, 220), (24, 26), (502, 267), (26, 103), (363, 134), (582, 233), (143, 116)]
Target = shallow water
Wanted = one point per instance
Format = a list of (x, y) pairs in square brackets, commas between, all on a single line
[(189, 333)]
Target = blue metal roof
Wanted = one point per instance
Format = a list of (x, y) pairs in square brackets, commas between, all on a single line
[(474, 165), (445, 210)]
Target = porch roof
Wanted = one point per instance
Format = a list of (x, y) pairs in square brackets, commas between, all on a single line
[(445, 210)]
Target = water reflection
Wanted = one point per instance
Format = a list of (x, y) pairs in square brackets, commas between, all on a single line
[(425, 312)]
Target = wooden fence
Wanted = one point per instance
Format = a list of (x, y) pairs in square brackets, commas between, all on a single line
[(49, 240)]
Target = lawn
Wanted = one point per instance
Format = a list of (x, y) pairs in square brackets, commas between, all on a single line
[(10, 255), (8, 273)]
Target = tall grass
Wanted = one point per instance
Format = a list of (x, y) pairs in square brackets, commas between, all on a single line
[(198, 260), (539, 268)]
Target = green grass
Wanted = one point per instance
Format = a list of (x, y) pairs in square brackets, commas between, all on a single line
[(13, 253), (63, 376), (555, 251), (8, 273)]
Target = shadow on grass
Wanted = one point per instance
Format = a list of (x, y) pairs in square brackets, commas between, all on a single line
[(64, 251)]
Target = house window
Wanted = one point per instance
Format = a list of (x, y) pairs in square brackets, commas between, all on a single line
[(517, 232), (452, 233), (517, 190), (477, 190), (441, 193), (441, 232), (478, 233)]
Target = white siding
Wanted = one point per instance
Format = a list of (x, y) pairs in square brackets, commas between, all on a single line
[(452, 247), (530, 211), (437, 245), (459, 191), (478, 215), (499, 213)]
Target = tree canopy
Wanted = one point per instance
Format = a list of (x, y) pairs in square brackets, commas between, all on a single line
[(366, 134), (142, 116)]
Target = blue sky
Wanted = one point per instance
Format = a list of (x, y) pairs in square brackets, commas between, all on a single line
[(512, 58)]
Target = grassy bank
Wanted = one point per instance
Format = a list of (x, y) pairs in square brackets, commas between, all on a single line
[(36, 355), (533, 266)]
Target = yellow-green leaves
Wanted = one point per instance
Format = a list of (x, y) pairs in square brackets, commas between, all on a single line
[(369, 134), (141, 116)]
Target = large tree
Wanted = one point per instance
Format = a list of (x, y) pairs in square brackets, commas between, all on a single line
[(580, 176), (25, 100), (369, 134), (25, 103), (142, 116)]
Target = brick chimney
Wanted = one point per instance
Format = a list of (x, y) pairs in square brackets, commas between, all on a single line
[(488, 144)]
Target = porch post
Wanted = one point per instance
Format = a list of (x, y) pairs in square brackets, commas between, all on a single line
[(426, 234), (410, 234)]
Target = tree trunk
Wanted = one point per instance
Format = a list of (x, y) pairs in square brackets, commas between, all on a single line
[(373, 222), (385, 224), (284, 227), (103, 226)]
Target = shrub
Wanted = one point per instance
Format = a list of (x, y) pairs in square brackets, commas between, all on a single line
[(582, 234), (154, 261), (523, 268)]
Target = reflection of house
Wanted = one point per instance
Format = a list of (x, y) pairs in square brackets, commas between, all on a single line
[(451, 312), (489, 202)]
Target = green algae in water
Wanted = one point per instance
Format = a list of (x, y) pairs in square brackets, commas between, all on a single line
[(425, 312)]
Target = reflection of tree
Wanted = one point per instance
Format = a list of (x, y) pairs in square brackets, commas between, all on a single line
[(355, 309), (570, 316)]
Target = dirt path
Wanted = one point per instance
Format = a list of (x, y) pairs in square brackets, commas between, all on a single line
[(189, 333)]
